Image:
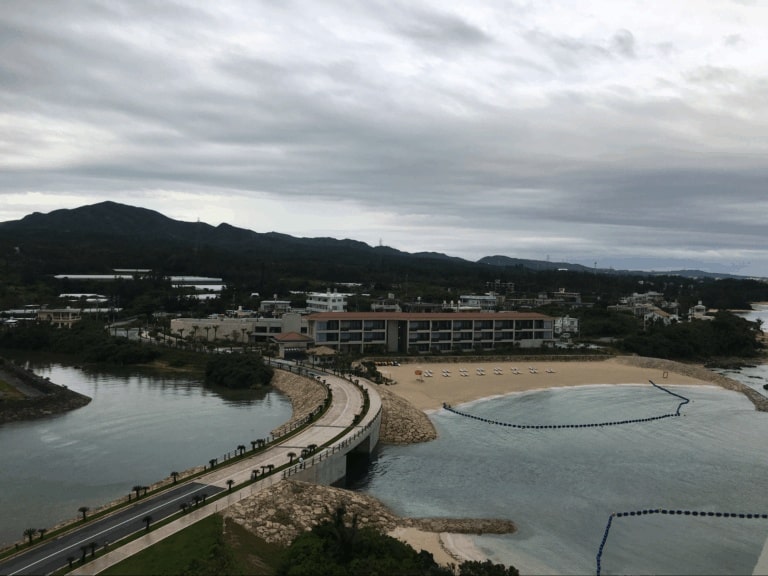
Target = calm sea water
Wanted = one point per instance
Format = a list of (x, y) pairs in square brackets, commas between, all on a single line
[(136, 430), (560, 486)]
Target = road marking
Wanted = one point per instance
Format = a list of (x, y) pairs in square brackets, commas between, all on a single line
[(114, 526)]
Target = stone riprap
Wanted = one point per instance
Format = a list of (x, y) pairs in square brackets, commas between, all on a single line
[(40, 397), (401, 422), (280, 513), (304, 393)]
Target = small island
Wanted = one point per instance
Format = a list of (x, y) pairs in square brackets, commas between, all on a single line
[(26, 396)]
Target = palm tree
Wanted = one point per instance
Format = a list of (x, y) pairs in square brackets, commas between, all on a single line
[(253, 445), (144, 489), (84, 550), (83, 510), (254, 474), (175, 476), (270, 467), (138, 488), (212, 462), (30, 533), (230, 483), (204, 495), (42, 532), (197, 499), (241, 449), (215, 332), (183, 507), (345, 536), (207, 332), (291, 456), (93, 546), (147, 520)]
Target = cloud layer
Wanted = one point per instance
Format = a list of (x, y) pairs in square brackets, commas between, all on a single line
[(586, 132)]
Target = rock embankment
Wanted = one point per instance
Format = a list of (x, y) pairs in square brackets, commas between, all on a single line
[(701, 373), (280, 513), (401, 422), (39, 396), (304, 393)]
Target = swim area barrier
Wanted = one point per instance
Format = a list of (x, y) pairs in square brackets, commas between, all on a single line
[(669, 512), (674, 414)]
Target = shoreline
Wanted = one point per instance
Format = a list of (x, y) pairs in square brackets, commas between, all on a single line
[(461, 382), (429, 393)]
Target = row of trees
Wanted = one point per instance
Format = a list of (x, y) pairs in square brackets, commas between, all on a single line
[(86, 340)]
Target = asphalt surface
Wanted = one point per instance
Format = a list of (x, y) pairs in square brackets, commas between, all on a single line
[(49, 556)]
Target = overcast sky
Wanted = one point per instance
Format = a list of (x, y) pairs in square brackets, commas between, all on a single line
[(626, 134)]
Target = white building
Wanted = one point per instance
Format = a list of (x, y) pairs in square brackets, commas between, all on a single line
[(481, 302), (326, 302), (566, 325)]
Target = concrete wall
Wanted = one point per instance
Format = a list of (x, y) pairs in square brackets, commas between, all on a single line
[(329, 465)]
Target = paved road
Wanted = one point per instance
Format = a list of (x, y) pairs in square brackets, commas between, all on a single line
[(53, 554)]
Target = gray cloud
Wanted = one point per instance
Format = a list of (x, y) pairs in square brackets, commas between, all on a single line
[(469, 129)]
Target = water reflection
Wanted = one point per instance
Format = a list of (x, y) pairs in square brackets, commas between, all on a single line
[(138, 427)]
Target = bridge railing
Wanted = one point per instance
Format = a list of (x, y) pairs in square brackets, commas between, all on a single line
[(329, 451), (285, 429)]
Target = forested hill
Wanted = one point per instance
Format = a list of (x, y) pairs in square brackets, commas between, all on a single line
[(101, 237)]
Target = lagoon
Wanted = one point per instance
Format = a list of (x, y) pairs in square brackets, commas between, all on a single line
[(138, 428)]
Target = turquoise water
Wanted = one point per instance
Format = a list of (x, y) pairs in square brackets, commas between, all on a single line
[(560, 486), (136, 430)]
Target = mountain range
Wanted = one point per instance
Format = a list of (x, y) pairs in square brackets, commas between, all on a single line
[(100, 237)]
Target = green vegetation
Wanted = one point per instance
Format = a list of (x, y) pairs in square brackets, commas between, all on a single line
[(203, 549), (211, 547), (8, 392), (335, 547), (87, 340), (726, 335), (238, 371)]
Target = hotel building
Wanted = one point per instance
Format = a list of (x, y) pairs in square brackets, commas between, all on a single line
[(402, 332)]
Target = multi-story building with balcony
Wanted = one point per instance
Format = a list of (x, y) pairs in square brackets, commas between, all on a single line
[(365, 332)]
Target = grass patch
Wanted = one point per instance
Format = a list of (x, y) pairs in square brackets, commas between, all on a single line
[(9, 391), (204, 548), (253, 555)]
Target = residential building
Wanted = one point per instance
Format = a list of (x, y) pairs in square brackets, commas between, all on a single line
[(441, 332), (60, 317), (326, 302), (238, 330), (484, 302), (275, 307), (566, 325), (388, 304)]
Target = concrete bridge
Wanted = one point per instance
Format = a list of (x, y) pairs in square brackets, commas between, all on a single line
[(320, 453)]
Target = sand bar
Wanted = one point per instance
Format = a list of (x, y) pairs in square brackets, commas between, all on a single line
[(457, 382)]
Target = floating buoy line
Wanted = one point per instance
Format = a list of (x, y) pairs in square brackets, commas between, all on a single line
[(674, 414), (670, 512)]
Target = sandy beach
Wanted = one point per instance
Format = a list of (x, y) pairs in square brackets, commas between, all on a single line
[(458, 382)]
